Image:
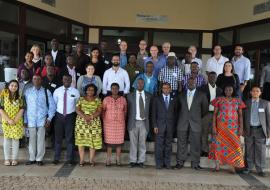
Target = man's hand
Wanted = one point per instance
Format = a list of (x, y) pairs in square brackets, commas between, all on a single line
[(47, 123), (156, 130)]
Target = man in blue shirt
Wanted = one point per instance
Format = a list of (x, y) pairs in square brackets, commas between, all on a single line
[(40, 109), (150, 81), (241, 66), (123, 54), (158, 62)]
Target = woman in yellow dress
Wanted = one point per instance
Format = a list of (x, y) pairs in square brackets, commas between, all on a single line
[(88, 131), (11, 110)]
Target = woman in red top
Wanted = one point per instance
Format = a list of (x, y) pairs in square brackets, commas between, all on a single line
[(42, 71)]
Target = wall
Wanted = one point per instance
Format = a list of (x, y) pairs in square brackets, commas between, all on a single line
[(74, 9), (182, 14), (234, 12)]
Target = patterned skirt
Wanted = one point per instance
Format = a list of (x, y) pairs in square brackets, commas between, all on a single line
[(226, 146), (88, 134)]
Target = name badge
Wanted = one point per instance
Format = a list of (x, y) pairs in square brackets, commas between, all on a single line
[(174, 74), (137, 72), (145, 57), (53, 85), (106, 62), (78, 74), (261, 110)]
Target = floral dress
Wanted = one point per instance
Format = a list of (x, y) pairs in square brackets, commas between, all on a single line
[(11, 108)]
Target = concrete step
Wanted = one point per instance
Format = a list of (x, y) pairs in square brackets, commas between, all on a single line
[(101, 155), (101, 158), (150, 146)]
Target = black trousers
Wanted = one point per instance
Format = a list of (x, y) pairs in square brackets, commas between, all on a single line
[(64, 126), (163, 146), (266, 91)]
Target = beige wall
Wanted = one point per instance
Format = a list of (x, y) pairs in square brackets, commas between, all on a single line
[(74, 9), (181, 14), (235, 12)]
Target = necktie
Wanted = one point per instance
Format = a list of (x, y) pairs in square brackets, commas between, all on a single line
[(141, 105), (167, 102), (65, 103), (254, 112), (189, 99)]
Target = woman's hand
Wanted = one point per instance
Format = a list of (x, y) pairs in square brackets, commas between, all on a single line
[(11, 122)]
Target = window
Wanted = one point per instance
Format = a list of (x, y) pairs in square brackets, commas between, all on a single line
[(225, 38), (8, 52), (253, 33), (8, 12), (177, 39), (46, 23), (77, 32), (113, 37)]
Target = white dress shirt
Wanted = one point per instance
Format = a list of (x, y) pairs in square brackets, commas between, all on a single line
[(187, 69), (190, 95), (212, 95), (73, 96), (120, 76), (54, 54), (216, 65), (138, 104)]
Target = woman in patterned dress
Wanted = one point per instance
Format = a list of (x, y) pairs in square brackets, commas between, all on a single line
[(11, 110), (227, 129), (114, 114), (88, 131)]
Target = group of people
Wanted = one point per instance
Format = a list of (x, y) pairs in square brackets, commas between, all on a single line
[(90, 101)]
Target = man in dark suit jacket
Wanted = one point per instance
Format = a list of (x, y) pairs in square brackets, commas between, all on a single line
[(59, 58), (164, 112), (212, 91), (256, 131), (193, 106), (81, 59), (138, 123), (69, 69)]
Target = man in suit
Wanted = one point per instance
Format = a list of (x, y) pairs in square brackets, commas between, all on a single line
[(138, 123), (256, 131), (212, 91), (70, 69), (164, 112), (193, 107), (59, 58)]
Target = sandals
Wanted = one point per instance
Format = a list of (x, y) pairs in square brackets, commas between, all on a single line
[(14, 163), (92, 164), (216, 169), (7, 163), (81, 164)]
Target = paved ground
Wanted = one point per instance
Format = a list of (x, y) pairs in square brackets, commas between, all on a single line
[(50, 177)]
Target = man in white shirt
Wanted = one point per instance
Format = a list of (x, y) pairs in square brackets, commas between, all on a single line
[(216, 63), (116, 75), (138, 123), (211, 91), (193, 50), (65, 98)]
